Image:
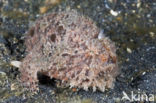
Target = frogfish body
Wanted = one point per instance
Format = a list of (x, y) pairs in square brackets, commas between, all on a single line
[(65, 46)]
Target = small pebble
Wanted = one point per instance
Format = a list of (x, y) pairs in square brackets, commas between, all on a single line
[(13, 87), (152, 34), (43, 9), (129, 50), (114, 13)]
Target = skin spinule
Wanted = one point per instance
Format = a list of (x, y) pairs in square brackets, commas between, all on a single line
[(65, 46)]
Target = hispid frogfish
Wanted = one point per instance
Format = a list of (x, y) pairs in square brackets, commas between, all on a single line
[(68, 46)]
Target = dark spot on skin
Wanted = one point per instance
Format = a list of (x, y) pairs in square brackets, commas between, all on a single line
[(73, 75), (66, 16), (96, 35), (54, 64), (31, 31), (108, 70), (62, 68), (57, 23), (77, 78), (50, 54), (86, 80), (53, 37), (60, 29), (88, 60), (65, 54), (70, 39), (111, 60), (73, 26), (76, 52), (78, 72), (87, 73), (55, 47), (27, 79), (100, 74)]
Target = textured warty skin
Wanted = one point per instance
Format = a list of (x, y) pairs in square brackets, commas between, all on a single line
[(65, 46)]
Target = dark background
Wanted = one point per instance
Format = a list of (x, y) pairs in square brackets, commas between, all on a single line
[(133, 30)]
